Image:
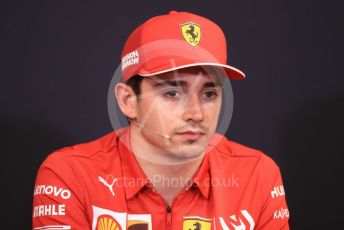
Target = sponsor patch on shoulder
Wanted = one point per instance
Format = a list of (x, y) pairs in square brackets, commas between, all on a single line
[(52, 191)]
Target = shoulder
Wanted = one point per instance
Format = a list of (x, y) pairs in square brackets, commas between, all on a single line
[(65, 156), (233, 150)]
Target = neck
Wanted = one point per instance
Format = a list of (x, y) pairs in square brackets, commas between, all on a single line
[(168, 174)]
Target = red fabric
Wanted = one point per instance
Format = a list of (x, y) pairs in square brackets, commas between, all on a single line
[(235, 186)]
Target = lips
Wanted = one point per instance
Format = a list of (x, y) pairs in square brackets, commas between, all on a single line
[(191, 135)]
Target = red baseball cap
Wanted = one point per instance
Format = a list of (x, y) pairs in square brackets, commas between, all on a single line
[(174, 41)]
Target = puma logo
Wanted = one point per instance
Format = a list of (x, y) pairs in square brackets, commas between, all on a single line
[(110, 186)]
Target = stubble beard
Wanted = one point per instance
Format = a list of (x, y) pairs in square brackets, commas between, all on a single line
[(189, 150)]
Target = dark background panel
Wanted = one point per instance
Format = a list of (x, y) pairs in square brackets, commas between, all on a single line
[(58, 57)]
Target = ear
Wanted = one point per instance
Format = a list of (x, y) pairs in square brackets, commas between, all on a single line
[(126, 99)]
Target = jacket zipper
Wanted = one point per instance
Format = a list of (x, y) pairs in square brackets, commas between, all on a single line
[(169, 216)]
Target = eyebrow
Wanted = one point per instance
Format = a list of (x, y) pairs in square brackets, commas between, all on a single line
[(162, 83)]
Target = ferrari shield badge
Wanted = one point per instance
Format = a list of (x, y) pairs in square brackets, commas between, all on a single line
[(191, 33)]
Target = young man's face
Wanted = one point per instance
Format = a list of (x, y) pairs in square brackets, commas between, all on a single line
[(183, 105)]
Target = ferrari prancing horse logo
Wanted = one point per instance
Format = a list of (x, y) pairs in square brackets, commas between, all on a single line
[(191, 33)]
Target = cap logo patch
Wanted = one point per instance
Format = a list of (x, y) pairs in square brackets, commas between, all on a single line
[(129, 59), (191, 33)]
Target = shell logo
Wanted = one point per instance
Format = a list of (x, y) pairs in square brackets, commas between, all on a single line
[(107, 222)]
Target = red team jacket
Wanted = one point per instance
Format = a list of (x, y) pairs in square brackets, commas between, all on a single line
[(100, 185)]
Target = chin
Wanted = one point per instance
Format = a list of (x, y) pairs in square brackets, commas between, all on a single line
[(187, 152)]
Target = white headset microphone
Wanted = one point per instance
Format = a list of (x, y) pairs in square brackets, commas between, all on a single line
[(167, 138)]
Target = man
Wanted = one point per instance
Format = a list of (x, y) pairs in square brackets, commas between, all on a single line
[(168, 169)]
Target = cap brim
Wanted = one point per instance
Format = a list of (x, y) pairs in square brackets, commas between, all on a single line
[(232, 72)]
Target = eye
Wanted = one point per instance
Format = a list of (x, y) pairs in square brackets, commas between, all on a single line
[(171, 93), (210, 94)]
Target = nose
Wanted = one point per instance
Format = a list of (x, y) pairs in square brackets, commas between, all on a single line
[(193, 110)]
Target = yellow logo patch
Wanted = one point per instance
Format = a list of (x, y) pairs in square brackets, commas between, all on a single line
[(106, 222), (191, 33), (195, 224)]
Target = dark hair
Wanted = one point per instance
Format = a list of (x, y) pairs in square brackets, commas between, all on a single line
[(135, 83)]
